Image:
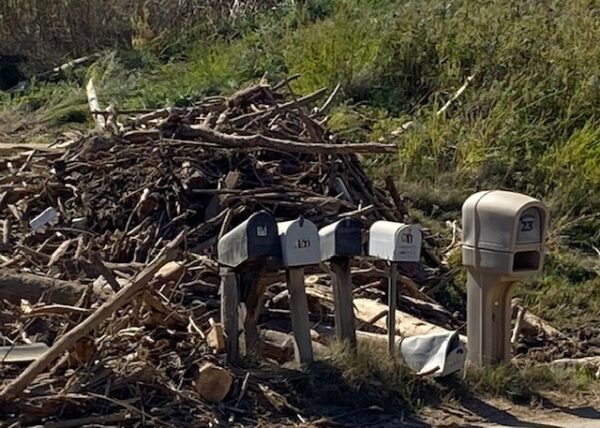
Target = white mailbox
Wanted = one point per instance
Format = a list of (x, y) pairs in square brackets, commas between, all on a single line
[(395, 242), (503, 233), (299, 242)]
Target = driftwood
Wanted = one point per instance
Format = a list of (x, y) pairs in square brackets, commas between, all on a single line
[(120, 197), (17, 286), (533, 325), (17, 386), (406, 324), (95, 105)]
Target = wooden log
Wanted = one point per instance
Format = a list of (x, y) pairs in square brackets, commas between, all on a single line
[(341, 282), (230, 300), (213, 382), (16, 286), (299, 308), (15, 388), (406, 325)]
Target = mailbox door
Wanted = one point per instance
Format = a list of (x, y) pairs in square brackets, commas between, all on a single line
[(299, 243), (529, 228), (408, 244), (262, 237), (348, 238)]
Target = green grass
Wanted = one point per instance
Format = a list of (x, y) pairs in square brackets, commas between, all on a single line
[(524, 383)]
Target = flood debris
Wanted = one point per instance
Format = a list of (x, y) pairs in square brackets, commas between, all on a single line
[(112, 240)]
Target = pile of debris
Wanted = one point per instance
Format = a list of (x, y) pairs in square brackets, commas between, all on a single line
[(109, 283)]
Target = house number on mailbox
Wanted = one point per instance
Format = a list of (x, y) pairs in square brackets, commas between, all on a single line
[(303, 243), (261, 231), (406, 238), (527, 224)]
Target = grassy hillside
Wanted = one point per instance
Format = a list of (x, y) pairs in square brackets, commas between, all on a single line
[(528, 121)]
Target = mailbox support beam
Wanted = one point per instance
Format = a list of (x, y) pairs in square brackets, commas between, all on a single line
[(488, 318), (299, 308), (342, 296), (392, 303), (230, 300)]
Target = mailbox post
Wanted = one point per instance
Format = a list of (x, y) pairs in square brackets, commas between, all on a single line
[(253, 242), (299, 248), (396, 243), (503, 241), (340, 241)]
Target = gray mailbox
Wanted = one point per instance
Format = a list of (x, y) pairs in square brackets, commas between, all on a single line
[(243, 253), (339, 242), (503, 241), (253, 239), (299, 242), (341, 239), (396, 243)]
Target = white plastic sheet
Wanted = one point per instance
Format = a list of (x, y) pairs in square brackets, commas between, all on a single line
[(437, 355)]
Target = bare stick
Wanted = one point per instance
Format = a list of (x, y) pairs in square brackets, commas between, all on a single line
[(261, 141), (95, 105)]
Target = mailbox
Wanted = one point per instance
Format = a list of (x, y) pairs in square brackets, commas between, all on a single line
[(395, 242), (299, 242), (255, 238), (503, 241), (341, 239), (503, 233)]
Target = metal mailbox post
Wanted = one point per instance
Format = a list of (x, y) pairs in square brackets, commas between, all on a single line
[(340, 241), (254, 241), (396, 243), (299, 248), (503, 241)]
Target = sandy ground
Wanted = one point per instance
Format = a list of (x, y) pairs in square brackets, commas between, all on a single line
[(479, 413)]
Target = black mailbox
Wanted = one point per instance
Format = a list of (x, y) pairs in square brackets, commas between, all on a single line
[(255, 238), (341, 239)]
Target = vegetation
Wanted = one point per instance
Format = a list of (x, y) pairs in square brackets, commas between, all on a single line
[(528, 121), (526, 382)]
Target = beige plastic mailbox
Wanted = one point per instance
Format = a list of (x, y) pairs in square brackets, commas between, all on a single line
[(503, 241)]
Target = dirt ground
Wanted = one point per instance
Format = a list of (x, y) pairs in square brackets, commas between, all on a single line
[(484, 413)]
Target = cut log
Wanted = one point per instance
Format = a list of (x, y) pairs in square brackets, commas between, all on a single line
[(213, 382), (17, 286)]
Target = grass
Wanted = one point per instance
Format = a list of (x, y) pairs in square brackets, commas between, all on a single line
[(342, 379), (526, 382)]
